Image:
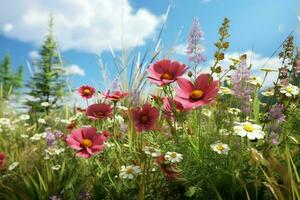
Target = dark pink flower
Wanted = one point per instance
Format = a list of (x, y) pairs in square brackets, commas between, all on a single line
[(86, 141), (99, 111), (202, 92), (171, 106), (2, 160), (145, 118), (165, 71), (115, 96), (86, 91)]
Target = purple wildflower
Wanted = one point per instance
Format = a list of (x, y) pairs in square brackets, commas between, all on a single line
[(50, 137), (195, 47), (276, 113), (241, 88)]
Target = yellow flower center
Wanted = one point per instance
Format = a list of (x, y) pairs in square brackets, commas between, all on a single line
[(98, 114), (129, 170), (196, 94), (86, 91), (167, 76), (220, 147), (248, 128), (144, 118), (173, 155), (289, 89), (86, 143)]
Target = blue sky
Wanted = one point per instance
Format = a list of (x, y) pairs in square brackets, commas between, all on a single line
[(255, 25)]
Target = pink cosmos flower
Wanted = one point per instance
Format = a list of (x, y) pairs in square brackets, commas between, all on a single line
[(202, 92), (86, 91), (145, 118), (2, 160), (115, 96), (172, 105), (165, 71), (99, 111), (86, 141)]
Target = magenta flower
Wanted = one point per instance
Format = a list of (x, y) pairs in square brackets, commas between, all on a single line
[(86, 142), (99, 111), (2, 160), (86, 91), (172, 105), (165, 71), (202, 92), (115, 96), (145, 118)]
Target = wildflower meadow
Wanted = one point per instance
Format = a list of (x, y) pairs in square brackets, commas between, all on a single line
[(163, 128)]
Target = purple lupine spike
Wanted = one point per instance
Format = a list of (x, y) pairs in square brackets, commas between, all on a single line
[(195, 47), (241, 88)]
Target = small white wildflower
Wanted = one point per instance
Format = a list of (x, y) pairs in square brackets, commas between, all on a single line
[(109, 144), (173, 157), (65, 121), (13, 166), (152, 151), (57, 119), (4, 121), (122, 108), (234, 111), (225, 90), (42, 121), (268, 93), (128, 172), (56, 167), (220, 148), (54, 151), (24, 117), (24, 136), (289, 90), (206, 112), (37, 136), (254, 80), (224, 131), (252, 131), (45, 104)]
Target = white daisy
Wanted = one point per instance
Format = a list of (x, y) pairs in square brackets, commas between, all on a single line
[(252, 131), (173, 157), (220, 148), (254, 80), (225, 90), (42, 121), (152, 151), (13, 166), (128, 172), (45, 104), (268, 93), (4, 121), (289, 90), (24, 117)]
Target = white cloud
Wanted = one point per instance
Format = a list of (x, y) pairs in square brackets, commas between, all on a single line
[(281, 28), (180, 49), (33, 55), (75, 70), (257, 61), (80, 24), (7, 27)]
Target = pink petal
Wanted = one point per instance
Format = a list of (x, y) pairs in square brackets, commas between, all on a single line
[(83, 153), (185, 85), (202, 81)]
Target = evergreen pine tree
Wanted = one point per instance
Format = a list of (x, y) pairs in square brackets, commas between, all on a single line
[(47, 83), (10, 82)]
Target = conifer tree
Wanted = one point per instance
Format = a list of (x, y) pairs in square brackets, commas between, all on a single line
[(10, 81), (47, 83)]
